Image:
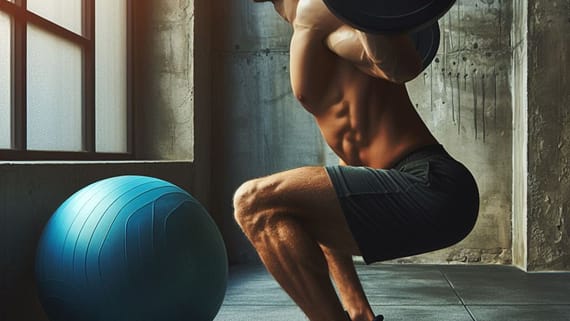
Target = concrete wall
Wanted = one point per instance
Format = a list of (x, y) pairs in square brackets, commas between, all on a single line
[(548, 135), (464, 97), (541, 87), (172, 77)]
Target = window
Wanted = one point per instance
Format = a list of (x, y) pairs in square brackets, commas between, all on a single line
[(65, 79)]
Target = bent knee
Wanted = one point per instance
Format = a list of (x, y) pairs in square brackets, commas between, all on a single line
[(250, 199), (244, 197)]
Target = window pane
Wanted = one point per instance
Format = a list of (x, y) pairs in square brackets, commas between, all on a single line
[(66, 13), (54, 93), (5, 81), (111, 76)]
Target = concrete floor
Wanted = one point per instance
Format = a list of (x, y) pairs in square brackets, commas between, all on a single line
[(417, 293)]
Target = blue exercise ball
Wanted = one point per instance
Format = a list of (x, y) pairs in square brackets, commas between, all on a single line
[(131, 248)]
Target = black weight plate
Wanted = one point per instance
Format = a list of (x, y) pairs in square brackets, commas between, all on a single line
[(427, 43), (389, 16)]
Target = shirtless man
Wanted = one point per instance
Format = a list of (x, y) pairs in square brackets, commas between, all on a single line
[(396, 191)]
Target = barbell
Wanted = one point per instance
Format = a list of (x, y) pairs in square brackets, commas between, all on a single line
[(389, 16)]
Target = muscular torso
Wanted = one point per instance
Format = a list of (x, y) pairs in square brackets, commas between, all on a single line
[(366, 119)]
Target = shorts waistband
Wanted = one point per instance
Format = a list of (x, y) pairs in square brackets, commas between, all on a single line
[(422, 153)]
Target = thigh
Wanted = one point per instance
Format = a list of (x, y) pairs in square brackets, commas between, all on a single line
[(308, 195)]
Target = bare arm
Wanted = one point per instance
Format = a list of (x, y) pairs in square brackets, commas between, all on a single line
[(390, 57)]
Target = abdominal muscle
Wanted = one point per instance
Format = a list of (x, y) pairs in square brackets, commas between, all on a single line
[(368, 121)]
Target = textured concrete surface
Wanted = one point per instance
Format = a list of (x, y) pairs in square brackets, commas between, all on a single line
[(165, 106), (412, 292), (464, 97), (549, 135), (541, 158)]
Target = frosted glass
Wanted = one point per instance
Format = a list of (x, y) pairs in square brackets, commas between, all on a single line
[(66, 13), (54, 93), (5, 82), (111, 75)]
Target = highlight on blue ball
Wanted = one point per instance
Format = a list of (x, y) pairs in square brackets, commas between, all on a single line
[(131, 248)]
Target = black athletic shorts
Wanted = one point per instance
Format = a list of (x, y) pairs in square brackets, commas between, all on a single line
[(427, 201)]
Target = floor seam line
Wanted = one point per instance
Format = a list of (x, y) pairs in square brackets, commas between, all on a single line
[(458, 296)]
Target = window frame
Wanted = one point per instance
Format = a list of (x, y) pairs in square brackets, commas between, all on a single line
[(21, 17)]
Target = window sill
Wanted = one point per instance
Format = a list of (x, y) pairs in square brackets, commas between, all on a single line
[(21, 155), (94, 162)]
